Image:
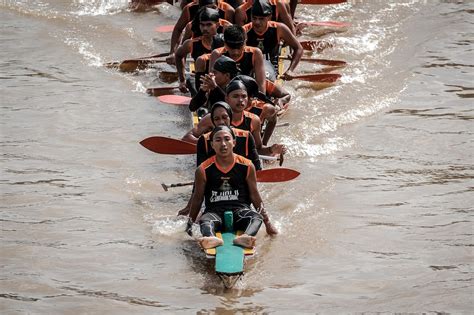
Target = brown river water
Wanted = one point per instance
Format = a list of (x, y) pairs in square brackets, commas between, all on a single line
[(379, 221)]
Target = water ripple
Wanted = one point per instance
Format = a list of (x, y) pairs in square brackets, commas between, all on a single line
[(115, 297)]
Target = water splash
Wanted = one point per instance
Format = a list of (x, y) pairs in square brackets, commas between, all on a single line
[(102, 7)]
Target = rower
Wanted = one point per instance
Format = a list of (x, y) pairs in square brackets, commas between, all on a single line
[(248, 59), (189, 11), (208, 19), (226, 181), (212, 87), (260, 105), (267, 35), (192, 28), (221, 115), (280, 13), (237, 98)]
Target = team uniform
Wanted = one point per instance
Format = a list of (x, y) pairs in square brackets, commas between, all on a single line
[(227, 190), (247, 8), (268, 41), (245, 62), (244, 146)]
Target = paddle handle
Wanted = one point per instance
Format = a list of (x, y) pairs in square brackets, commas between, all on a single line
[(166, 187)]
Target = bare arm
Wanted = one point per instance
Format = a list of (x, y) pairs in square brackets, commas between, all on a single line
[(187, 32), (178, 29), (290, 39), (259, 69), (202, 127), (285, 17), (214, 55), (262, 149), (240, 16), (180, 59), (281, 95), (198, 195), (255, 197)]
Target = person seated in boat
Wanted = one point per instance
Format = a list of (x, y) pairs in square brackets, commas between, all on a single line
[(226, 182), (208, 40), (237, 98), (221, 115), (275, 92), (267, 35), (212, 87), (248, 59), (192, 28), (280, 13), (260, 105), (189, 11)]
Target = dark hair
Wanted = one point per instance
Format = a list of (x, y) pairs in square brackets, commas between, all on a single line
[(202, 3), (234, 36), (203, 14), (225, 106), (235, 85), (220, 128)]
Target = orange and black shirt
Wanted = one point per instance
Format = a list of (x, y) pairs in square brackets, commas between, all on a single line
[(244, 146), (226, 189), (268, 41), (246, 60)]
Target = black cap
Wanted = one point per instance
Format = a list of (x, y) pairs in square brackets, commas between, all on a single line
[(226, 65), (234, 36), (208, 14), (261, 8), (250, 84), (206, 2), (235, 85), (224, 105), (252, 88)]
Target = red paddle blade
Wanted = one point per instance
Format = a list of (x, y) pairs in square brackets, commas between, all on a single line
[(158, 91), (275, 175), (165, 145), (321, 1), (174, 99), (318, 77), (164, 29)]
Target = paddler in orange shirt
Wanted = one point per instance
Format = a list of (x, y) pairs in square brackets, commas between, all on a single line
[(267, 35), (249, 59), (208, 22), (226, 181)]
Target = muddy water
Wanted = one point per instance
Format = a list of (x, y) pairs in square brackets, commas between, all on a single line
[(380, 219)]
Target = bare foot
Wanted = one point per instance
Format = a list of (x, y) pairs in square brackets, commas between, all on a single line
[(270, 228), (210, 242), (245, 240)]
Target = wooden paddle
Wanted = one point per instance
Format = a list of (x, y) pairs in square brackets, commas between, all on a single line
[(316, 77), (315, 45), (272, 175), (164, 145), (325, 62), (162, 90), (326, 23), (321, 1), (136, 61)]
